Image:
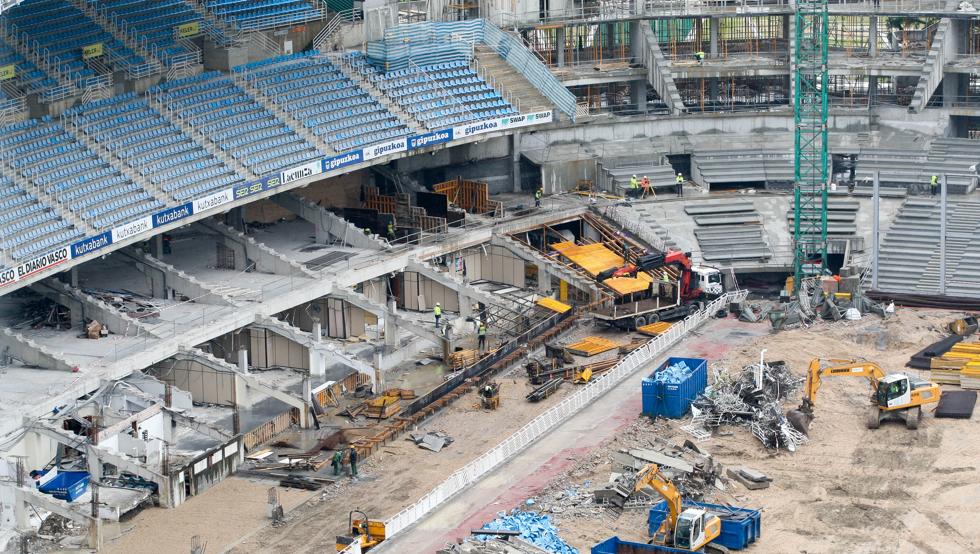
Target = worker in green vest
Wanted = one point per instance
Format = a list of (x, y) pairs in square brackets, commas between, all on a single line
[(934, 182), (699, 56), (680, 184), (438, 313), (481, 334), (537, 197), (391, 230)]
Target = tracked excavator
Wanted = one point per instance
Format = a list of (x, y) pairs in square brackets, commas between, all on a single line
[(893, 395), (691, 529)]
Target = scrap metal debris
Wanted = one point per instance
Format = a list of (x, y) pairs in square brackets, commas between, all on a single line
[(824, 298), (735, 399), (431, 441)]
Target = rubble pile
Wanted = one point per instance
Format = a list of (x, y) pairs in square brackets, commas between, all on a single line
[(825, 298), (535, 529), (734, 399), (673, 374)]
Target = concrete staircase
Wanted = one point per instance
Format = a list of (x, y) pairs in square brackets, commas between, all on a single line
[(963, 223), (31, 353), (659, 74), (641, 220), (943, 49), (508, 81)]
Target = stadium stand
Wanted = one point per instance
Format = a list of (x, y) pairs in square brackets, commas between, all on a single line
[(265, 14), (155, 21), (440, 95), (48, 156), (27, 226), (318, 94), (153, 146), (61, 31), (235, 122), (28, 79), (734, 167), (912, 168)]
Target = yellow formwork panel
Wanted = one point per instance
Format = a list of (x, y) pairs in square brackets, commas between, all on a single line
[(590, 346), (654, 329), (593, 258), (553, 305)]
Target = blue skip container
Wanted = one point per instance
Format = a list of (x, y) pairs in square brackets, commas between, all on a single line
[(616, 545), (671, 394), (739, 526), (67, 485)]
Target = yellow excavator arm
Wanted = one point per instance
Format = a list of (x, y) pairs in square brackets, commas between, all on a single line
[(835, 367), (650, 476)]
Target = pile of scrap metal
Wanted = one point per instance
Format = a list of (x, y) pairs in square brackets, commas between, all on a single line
[(431, 441), (42, 312), (829, 298), (692, 470), (753, 399), (134, 305)]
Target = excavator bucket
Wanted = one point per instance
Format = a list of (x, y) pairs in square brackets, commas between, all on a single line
[(800, 420)]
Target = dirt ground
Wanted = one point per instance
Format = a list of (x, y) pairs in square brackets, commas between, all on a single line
[(849, 489), (389, 480)]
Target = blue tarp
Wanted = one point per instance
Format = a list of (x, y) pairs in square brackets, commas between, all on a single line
[(535, 528)]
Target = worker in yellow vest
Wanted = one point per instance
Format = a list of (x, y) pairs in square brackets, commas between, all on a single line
[(391, 231), (438, 313), (934, 183), (680, 184), (481, 334)]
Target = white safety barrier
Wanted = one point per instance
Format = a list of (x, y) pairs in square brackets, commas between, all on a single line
[(537, 427)]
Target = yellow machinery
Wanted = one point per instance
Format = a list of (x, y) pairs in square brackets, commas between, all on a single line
[(690, 529), (490, 396), (368, 532), (892, 395)]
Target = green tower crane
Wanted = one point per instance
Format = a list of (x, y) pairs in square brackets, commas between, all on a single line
[(811, 161)]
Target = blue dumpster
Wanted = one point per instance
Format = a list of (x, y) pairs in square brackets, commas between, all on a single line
[(67, 485), (739, 526), (672, 387)]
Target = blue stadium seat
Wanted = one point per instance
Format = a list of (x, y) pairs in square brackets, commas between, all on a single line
[(263, 14), (236, 123)]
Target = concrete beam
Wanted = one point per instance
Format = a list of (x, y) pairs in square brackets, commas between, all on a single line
[(94, 452), (201, 427), (555, 269), (31, 353), (366, 304), (125, 424), (171, 278), (327, 223), (320, 352), (50, 503), (265, 259)]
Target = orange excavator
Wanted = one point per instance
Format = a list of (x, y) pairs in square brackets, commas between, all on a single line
[(691, 529)]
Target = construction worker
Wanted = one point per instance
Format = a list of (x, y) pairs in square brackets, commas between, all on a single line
[(391, 230), (437, 311), (336, 461), (481, 334), (353, 462), (633, 184), (934, 183), (645, 185), (680, 184), (699, 56), (537, 197)]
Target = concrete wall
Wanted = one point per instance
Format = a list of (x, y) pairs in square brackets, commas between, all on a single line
[(495, 263), (268, 349), (206, 385), (342, 191), (421, 293), (338, 318)]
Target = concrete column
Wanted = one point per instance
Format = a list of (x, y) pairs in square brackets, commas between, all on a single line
[(379, 374), (638, 94), (317, 330), (156, 246), (73, 277), (236, 218), (872, 89), (560, 46), (636, 44), (951, 88), (544, 279), (515, 151), (306, 412), (391, 329), (242, 397), (465, 306), (715, 22), (713, 87), (873, 36), (243, 360)]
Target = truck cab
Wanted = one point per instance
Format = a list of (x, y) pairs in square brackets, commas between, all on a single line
[(708, 279)]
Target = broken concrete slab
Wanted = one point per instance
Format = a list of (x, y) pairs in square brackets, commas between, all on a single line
[(662, 460), (737, 474)]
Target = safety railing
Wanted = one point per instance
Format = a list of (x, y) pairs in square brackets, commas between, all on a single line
[(339, 19), (496, 84), (545, 422)]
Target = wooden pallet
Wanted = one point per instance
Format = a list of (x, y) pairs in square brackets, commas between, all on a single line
[(654, 329), (590, 346)]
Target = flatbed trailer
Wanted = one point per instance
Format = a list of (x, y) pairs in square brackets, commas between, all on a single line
[(631, 315)]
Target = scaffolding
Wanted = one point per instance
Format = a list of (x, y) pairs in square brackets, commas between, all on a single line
[(810, 161)]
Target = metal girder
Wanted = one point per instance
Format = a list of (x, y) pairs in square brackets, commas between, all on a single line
[(811, 164)]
